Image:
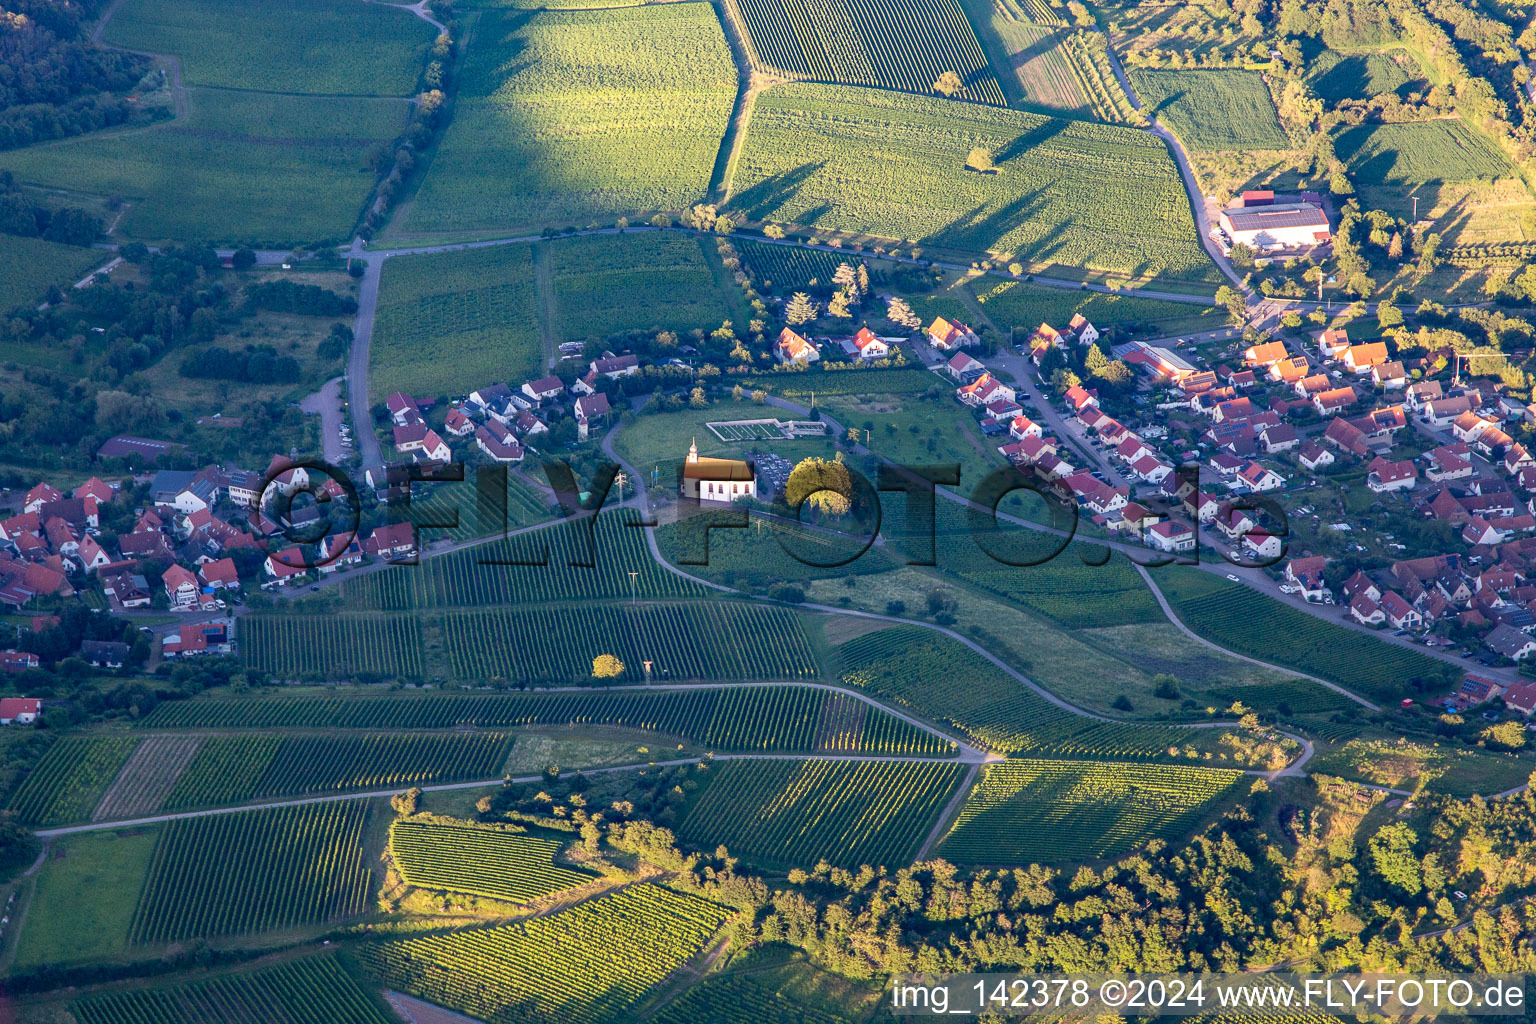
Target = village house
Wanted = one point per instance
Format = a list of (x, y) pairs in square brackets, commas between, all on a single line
[(1383, 476), (1389, 376), (949, 335), (1260, 479), (1331, 343), (611, 366), (1307, 574), (181, 588), (1331, 401), (458, 424), (497, 441), (1360, 358), (19, 710), (1170, 536), (396, 541), (1264, 355), (1314, 456), (1366, 611), (402, 409), (793, 348), (964, 367), (219, 574), (984, 389), (544, 389), (104, 653), (1290, 370), (1508, 642), (864, 345), (284, 567), (589, 409)]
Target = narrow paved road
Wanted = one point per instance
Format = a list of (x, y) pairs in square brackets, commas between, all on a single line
[(1186, 172), (363, 431)]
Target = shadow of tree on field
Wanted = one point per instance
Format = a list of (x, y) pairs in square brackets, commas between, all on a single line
[(1036, 136), (762, 200)]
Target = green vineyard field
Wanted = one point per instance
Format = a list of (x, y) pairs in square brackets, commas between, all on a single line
[(610, 283), (1024, 811), (602, 112), (1213, 110), (1246, 621), (487, 576), (783, 719), (332, 646), (917, 667), (490, 862), (892, 166), (795, 813), (705, 641), (786, 268), (887, 44), (69, 780), (313, 990), (253, 871), (592, 963), (238, 769), (451, 322), (29, 266)]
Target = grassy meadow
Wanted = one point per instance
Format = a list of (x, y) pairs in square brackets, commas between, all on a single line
[(1418, 153), (353, 49), (223, 172), (601, 112), (893, 166)]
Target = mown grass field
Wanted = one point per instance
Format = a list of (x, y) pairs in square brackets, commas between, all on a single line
[(1030, 811), (1035, 57), (886, 44), (1212, 110), (893, 166), (220, 174), (356, 49), (312, 990), (610, 283), (29, 266), (1338, 76), (600, 112), (450, 322), (796, 813), (1418, 153), (1019, 304), (85, 896), (592, 963)]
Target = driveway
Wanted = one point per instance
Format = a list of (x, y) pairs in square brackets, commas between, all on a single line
[(326, 403)]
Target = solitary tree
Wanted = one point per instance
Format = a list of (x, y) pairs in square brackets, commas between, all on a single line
[(801, 310), (948, 84), (980, 159), (606, 666)]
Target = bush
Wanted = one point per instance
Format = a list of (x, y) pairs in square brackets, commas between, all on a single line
[(895, 607)]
